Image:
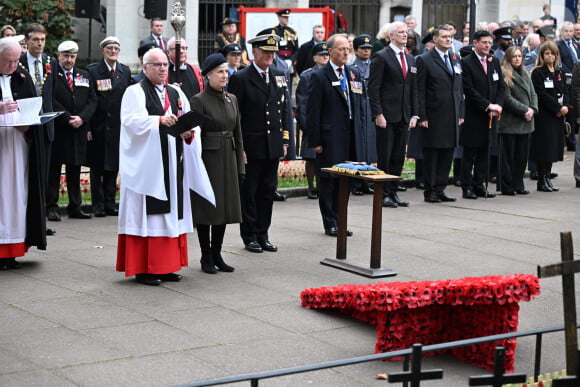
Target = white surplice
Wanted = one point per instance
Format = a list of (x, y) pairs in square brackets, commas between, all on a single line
[(141, 169)]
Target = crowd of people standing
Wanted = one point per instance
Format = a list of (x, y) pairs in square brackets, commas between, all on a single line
[(201, 146)]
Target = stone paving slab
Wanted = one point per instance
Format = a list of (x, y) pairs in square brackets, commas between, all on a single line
[(67, 318)]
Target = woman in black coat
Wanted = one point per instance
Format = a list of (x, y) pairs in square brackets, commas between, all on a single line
[(547, 144)]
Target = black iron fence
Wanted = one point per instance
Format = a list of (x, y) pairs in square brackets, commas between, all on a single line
[(254, 378)]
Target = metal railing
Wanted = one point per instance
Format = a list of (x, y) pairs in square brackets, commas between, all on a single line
[(255, 377)]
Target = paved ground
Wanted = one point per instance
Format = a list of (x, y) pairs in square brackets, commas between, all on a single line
[(68, 319)]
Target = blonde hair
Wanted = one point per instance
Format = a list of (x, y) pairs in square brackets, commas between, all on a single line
[(506, 65)]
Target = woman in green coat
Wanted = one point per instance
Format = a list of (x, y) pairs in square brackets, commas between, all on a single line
[(223, 156), (516, 123)]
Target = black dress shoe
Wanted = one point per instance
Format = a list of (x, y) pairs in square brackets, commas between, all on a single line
[(50, 231), (254, 247), (100, 213), (553, 175), (357, 192), (444, 198), (9, 263), (522, 191), (420, 185), (482, 193), (400, 203), (432, 197), (171, 277), (78, 214), (368, 190), (508, 192), (112, 212), (312, 194), (388, 201), (469, 194), (534, 175), (53, 215), (457, 182), (401, 188), (148, 279), (278, 197), (266, 245), (333, 231)]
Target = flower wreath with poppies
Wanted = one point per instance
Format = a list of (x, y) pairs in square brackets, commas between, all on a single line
[(431, 312)]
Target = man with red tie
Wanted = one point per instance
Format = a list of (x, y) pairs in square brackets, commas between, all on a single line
[(156, 37), (75, 96), (393, 98)]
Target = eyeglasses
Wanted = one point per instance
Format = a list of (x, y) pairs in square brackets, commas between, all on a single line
[(159, 64), (112, 48)]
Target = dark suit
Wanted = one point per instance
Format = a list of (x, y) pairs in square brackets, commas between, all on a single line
[(480, 90), (150, 39), (330, 125), (440, 98), (47, 93), (103, 150), (567, 68), (264, 130), (395, 97), (70, 144)]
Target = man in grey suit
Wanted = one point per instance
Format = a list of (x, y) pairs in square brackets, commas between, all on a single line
[(393, 98), (441, 109)]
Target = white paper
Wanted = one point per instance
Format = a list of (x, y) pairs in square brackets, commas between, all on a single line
[(26, 115)]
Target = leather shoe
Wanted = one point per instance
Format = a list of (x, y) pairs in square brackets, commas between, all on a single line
[(254, 247), (400, 203), (78, 214), (100, 213), (508, 192), (444, 198), (171, 277), (482, 193), (357, 192), (333, 231), (432, 197), (148, 279), (469, 194), (9, 263), (312, 194), (401, 188), (522, 192), (388, 201), (553, 175), (278, 197), (534, 175), (266, 245), (368, 190), (420, 185), (112, 212), (50, 231), (53, 215)]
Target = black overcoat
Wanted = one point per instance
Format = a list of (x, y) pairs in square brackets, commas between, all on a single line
[(548, 138), (103, 150), (70, 144), (480, 90), (440, 98)]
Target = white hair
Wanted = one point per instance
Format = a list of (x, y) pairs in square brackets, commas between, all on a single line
[(383, 31), (9, 43)]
